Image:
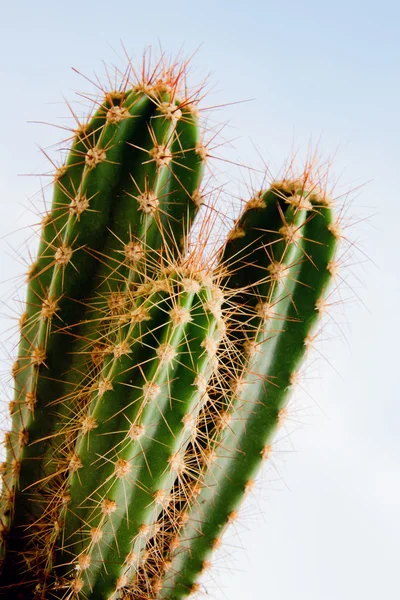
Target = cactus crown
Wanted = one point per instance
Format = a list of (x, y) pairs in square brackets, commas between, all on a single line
[(151, 375)]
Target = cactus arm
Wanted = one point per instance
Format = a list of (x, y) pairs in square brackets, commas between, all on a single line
[(256, 410), (253, 244)]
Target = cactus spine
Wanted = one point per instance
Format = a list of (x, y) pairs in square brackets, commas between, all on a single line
[(148, 386)]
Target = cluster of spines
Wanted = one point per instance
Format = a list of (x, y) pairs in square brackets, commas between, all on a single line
[(275, 270), (122, 206)]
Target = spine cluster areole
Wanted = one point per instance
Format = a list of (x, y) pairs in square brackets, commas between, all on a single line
[(151, 374)]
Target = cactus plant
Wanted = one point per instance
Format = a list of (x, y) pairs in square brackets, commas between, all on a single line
[(150, 379), (277, 277)]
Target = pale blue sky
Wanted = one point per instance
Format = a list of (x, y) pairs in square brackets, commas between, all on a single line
[(324, 524)]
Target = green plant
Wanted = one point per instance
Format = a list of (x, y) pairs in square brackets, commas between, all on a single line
[(150, 375)]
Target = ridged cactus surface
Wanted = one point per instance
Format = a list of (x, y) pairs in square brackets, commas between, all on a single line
[(150, 378)]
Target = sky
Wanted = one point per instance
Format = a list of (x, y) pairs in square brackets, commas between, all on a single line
[(323, 521)]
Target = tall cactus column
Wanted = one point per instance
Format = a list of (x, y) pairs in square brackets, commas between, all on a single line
[(130, 183)]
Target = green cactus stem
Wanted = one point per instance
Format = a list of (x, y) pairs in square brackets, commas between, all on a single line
[(279, 256), (122, 207)]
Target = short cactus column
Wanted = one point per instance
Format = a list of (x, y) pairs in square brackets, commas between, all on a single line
[(276, 267)]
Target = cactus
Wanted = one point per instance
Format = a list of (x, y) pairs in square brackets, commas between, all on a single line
[(277, 279), (150, 380)]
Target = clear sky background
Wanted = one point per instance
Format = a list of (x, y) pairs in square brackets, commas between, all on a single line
[(323, 522)]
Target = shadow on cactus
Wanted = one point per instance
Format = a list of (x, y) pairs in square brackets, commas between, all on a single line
[(152, 371)]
